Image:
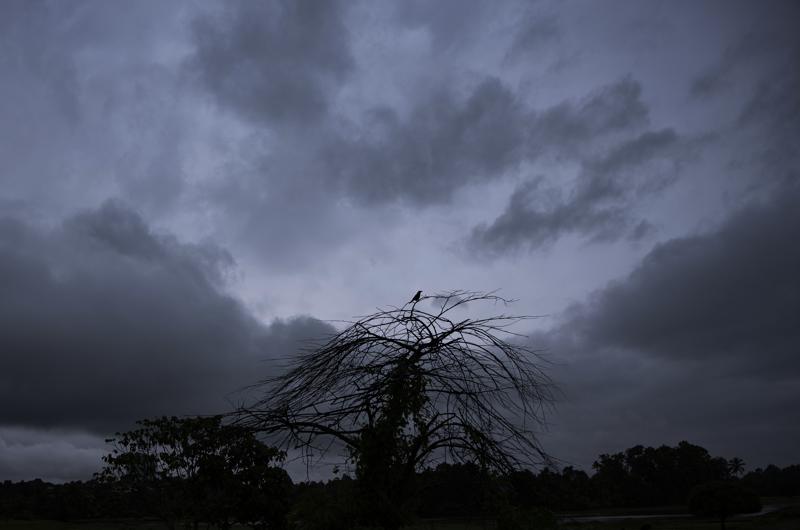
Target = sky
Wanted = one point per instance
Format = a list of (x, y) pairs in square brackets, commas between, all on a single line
[(191, 190)]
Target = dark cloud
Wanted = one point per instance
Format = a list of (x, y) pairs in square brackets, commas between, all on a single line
[(444, 143), (768, 42), (87, 109), (569, 128), (51, 455), (755, 82), (103, 322), (35, 43), (339, 136), (451, 24), (275, 61), (599, 206), (768, 126), (285, 202), (534, 32), (731, 297), (700, 341), (289, 201), (720, 76), (447, 142)]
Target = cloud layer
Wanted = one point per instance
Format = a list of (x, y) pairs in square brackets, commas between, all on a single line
[(179, 181), (700, 339), (272, 62), (104, 322)]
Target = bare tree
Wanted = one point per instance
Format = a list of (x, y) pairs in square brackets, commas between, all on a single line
[(405, 387)]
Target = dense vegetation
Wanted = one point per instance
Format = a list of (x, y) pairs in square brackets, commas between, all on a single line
[(637, 477)]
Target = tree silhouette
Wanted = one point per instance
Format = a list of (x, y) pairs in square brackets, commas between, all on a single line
[(405, 387), (736, 466), (722, 499), (199, 469)]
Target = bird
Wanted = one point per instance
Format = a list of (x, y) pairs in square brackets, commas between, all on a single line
[(416, 297)]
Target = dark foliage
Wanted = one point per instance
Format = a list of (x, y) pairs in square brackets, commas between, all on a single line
[(454, 490), (448, 490), (648, 476), (721, 499), (774, 481), (199, 470), (333, 505), (36, 499), (569, 489)]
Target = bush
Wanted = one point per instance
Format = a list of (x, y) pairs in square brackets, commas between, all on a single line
[(721, 499), (331, 506)]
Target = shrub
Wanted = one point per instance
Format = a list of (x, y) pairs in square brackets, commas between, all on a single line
[(721, 499)]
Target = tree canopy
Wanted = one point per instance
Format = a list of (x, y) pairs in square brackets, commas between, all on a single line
[(199, 469), (722, 499), (412, 385)]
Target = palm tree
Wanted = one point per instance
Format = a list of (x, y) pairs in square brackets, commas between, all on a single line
[(735, 466)]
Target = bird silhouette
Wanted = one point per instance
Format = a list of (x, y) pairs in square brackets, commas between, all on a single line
[(416, 297)]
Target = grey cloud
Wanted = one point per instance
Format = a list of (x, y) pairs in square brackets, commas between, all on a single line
[(290, 200), (770, 37), (534, 32), (451, 23), (567, 129), (87, 109), (103, 322), (31, 33), (525, 223), (720, 76), (272, 62), (598, 207), (51, 455), (631, 154), (615, 400), (770, 124), (446, 142), (732, 296), (443, 144), (699, 342), (756, 81)]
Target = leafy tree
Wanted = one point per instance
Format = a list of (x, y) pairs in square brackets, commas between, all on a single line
[(199, 469), (405, 387), (721, 499), (454, 490), (328, 506), (773, 481), (642, 476)]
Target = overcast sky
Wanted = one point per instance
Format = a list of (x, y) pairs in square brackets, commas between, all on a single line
[(189, 189)]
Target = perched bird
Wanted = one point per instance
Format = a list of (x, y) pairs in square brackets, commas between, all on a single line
[(416, 297)]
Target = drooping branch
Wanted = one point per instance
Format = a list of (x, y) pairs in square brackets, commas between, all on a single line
[(465, 389)]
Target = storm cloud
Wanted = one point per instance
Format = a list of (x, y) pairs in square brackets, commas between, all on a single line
[(447, 142), (103, 321), (272, 62), (731, 297), (443, 144), (180, 181), (701, 338), (598, 207)]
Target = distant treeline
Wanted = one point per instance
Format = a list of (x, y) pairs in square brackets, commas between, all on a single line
[(637, 477)]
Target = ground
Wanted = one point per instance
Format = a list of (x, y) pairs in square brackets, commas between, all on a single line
[(787, 517)]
